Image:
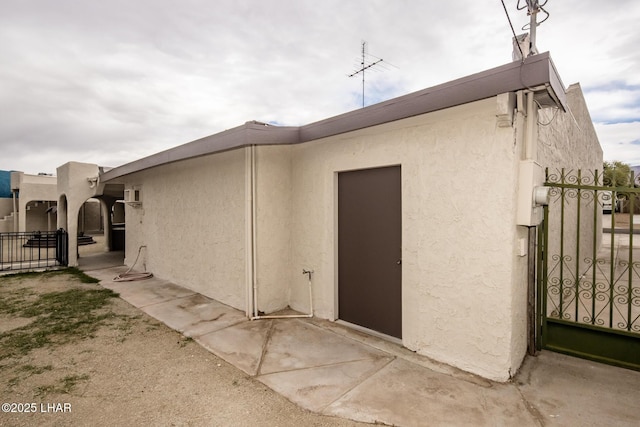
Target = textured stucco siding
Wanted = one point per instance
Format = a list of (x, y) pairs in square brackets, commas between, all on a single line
[(6, 206), (37, 218), (570, 142), (464, 282), (192, 221), (74, 189), (458, 229), (568, 139), (273, 227), (34, 189), (6, 217)]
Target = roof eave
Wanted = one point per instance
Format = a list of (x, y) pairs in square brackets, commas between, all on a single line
[(250, 133), (537, 71), (537, 74)]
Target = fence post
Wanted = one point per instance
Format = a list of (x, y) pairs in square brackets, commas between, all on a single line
[(62, 247)]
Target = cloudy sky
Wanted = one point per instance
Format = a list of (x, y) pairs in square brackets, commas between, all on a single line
[(111, 81)]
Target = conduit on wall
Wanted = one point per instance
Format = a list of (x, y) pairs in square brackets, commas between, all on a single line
[(527, 114), (251, 231)]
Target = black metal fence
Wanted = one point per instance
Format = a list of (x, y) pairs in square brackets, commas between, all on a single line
[(25, 251)]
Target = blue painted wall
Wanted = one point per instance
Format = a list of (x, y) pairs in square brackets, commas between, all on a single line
[(5, 184)]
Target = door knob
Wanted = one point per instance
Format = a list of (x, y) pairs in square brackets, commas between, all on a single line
[(399, 262)]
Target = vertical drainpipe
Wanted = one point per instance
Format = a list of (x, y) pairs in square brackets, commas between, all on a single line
[(251, 306), (531, 153), (248, 231), (531, 149), (15, 211), (254, 232)]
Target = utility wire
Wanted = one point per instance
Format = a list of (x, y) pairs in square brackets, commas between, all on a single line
[(512, 30)]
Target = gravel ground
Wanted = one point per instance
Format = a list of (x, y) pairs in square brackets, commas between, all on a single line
[(132, 370)]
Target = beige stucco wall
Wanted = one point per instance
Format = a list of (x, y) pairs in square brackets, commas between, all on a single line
[(6, 206), (570, 142), (6, 215), (273, 227), (464, 282), (192, 222), (90, 217), (34, 189), (75, 184), (460, 274), (37, 218), (568, 139)]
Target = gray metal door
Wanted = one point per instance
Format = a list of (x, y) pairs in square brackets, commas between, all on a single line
[(369, 249)]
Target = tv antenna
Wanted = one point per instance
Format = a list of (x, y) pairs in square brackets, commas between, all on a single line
[(533, 8), (365, 66)]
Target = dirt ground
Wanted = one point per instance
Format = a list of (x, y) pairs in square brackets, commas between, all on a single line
[(129, 370)]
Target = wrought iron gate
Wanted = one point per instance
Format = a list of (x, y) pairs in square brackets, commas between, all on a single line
[(588, 301)]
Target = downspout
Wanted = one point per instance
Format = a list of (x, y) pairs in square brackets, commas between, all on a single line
[(530, 147), (252, 264), (249, 229), (15, 212), (531, 153), (254, 233)]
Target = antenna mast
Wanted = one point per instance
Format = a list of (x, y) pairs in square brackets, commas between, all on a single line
[(533, 8), (364, 66)]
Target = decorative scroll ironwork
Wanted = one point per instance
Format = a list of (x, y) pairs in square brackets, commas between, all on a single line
[(592, 255)]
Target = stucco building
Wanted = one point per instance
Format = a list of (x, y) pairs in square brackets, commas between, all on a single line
[(415, 214), (27, 201)]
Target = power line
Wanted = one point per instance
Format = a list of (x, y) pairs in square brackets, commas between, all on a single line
[(512, 30)]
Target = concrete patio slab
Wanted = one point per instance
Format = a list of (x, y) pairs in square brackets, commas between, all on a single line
[(100, 260), (315, 388), (242, 344), (107, 274), (295, 344), (571, 391), (195, 314), (333, 369), (147, 292), (406, 394)]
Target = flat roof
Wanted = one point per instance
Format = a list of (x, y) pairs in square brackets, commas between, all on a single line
[(536, 73)]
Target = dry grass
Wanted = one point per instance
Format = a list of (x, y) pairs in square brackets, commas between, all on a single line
[(66, 342)]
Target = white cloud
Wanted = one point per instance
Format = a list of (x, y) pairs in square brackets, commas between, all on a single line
[(614, 104), (108, 82), (620, 141)]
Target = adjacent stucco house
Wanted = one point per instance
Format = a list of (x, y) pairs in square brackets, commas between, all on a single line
[(76, 183), (27, 201), (414, 214)]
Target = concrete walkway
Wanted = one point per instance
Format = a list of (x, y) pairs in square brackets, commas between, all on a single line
[(334, 370)]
